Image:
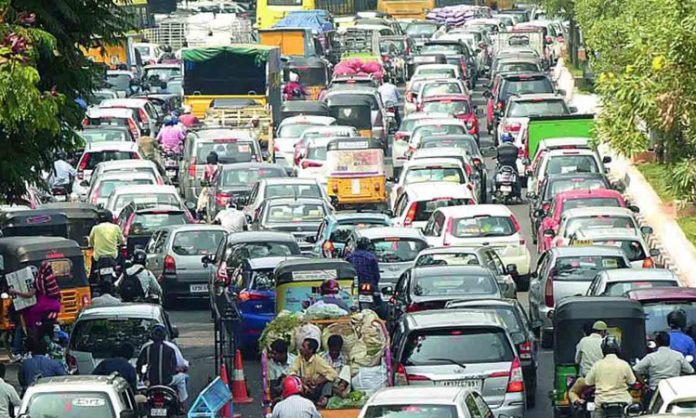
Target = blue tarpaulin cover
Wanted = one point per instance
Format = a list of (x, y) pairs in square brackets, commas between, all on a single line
[(315, 20)]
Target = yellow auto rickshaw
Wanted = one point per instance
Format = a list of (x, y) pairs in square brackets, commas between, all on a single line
[(313, 73), (356, 176), (352, 110)]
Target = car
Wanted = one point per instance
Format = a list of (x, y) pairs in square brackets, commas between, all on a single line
[(674, 397), (620, 281), (416, 202), (545, 224), (553, 36), (482, 225), (520, 108), (430, 170), (438, 71), (423, 354), (566, 161), (520, 329), (98, 329), (119, 81), (395, 249), (139, 221), (282, 187), (98, 152), (403, 134), (467, 256), (551, 144), (312, 159), (566, 271), (154, 73), (511, 85), (143, 194), (573, 220), (122, 117), (174, 257), (451, 402), (144, 112), (106, 133), (421, 31), (99, 95), (290, 132), (415, 83), (119, 166), (434, 127), (316, 133), (149, 52), (104, 185), (629, 240), (235, 182), (458, 105), (518, 64), (658, 302), (475, 41), (95, 396), (335, 230), (301, 217), (164, 103), (476, 185), (467, 142), (440, 87), (432, 287)]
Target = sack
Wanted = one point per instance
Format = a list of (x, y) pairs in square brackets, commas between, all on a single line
[(370, 379), (131, 289), (307, 331)]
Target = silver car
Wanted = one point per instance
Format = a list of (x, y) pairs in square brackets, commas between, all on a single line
[(485, 358), (98, 329), (437, 401), (618, 282), (174, 254)]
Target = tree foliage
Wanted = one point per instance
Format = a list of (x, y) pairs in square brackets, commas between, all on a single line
[(42, 72)]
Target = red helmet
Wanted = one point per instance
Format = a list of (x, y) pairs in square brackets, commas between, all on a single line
[(329, 287), (292, 385)]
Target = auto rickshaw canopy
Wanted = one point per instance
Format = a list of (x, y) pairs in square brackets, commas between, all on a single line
[(303, 107), (351, 110), (33, 223), (313, 71), (81, 218)]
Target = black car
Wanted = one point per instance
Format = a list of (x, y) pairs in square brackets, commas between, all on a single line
[(518, 85), (520, 328)]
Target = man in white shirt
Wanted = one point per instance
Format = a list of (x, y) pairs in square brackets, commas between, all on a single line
[(8, 395), (232, 219), (589, 349), (390, 95)]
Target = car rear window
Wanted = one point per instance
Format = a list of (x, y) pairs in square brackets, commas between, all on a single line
[(342, 232), (293, 190), (296, 212), (455, 286), (266, 249), (682, 407), (416, 29), (474, 345), (91, 159), (632, 248), (69, 405), (585, 268), (434, 173), (410, 410), (108, 186), (620, 288), (483, 226), (448, 259), (537, 108), (99, 336), (426, 208), (250, 175), (197, 242), (528, 86), (433, 130), (228, 152), (464, 143), (97, 135), (565, 164), (262, 279), (591, 202), (440, 49), (397, 250), (459, 107), (159, 199), (517, 67), (147, 223), (573, 184), (432, 89), (599, 221), (294, 130), (443, 72), (316, 152)]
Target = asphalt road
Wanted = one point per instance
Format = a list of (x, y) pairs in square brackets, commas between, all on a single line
[(196, 328)]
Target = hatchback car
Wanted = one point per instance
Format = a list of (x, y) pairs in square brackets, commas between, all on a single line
[(290, 132), (103, 186), (485, 359), (417, 202), (174, 256), (81, 188), (674, 396), (618, 282), (439, 71), (100, 152), (106, 133), (316, 133), (282, 187), (145, 114), (552, 186), (566, 161), (457, 105), (520, 108), (395, 249), (335, 230), (430, 170), (124, 118), (144, 195), (476, 184), (434, 127), (139, 221), (576, 219), (415, 402)]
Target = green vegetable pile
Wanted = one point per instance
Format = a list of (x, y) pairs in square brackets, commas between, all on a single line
[(282, 327), (355, 399)]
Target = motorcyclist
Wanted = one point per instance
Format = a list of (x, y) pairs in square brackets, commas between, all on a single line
[(210, 175), (293, 89), (390, 96), (105, 238), (167, 54), (367, 267), (232, 219), (160, 363), (679, 341), (146, 289), (62, 173), (293, 405), (506, 154), (171, 137), (610, 376), (187, 118)]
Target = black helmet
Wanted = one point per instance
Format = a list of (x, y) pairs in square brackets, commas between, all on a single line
[(212, 158), (158, 332), (61, 155), (676, 319), (297, 93), (363, 243), (139, 257), (610, 345), (105, 215)]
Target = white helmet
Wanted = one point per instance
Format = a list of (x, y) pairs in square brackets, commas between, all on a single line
[(294, 77), (186, 110)]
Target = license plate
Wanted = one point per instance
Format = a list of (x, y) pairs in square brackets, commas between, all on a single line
[(461, 383), (506, 188), (356, 186), (198, 288), (106, 270), (365, 298), (158, 412)]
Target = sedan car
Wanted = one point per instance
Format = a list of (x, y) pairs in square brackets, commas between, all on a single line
[(674, 397), (618, 282), (282, 187), (576, 219), (451, 402), (144, 195), (630, 241), (457, 105), (335, 230), (430, 170), (174, 256), (103, 186), (99, 152), (520, 108), (290, 132)]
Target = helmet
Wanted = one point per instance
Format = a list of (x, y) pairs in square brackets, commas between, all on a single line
[(61, 155), (294, 77), (363, 243), (168, 121), (292, 385), (507, 137), (158, 332), (186, 110), (676, 319), (175, 120), (296, 93), (329, 287), (610, 345), (139, 257), (105, 215)]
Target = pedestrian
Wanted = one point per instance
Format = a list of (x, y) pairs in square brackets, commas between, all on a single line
[(232, 219), (119, 363), (611, 377), (278, 367), (679, 341), (293, 405), (9, 399), (315, 372), (589, 349), (38, 365)]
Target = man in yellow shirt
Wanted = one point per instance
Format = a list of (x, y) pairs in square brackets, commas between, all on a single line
[(611, 377), (105, 238), (316, 373)]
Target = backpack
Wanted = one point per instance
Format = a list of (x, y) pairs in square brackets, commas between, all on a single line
[(131, 289)]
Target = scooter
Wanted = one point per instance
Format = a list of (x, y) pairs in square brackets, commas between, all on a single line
[(171, 166), (162, 401), (505, 183), (104, 272)]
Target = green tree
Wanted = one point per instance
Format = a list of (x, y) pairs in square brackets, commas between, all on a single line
[(42, 72)]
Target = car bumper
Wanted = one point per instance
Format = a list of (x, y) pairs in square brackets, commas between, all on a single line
[(171, 286), (513, 406), (251, 327)]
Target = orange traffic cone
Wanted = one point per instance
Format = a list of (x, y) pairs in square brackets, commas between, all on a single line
[(239, 389), (226, 411)]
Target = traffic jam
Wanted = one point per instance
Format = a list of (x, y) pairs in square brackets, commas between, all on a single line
[(352, 216)]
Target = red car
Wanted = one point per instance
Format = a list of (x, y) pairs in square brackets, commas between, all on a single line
[(570, 200), (458, 105)]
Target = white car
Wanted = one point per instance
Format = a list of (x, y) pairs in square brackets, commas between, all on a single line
[(445, 71), (290, 131), (546, 146), (149, 52), (102, 187), (565, 161), (96, 153), (144, 112), (576, 219), (402, 136), (617, 282), (440, 87), (412, 88), (427, 171), (433, 127), (313, 159), (331, 131), (114, 116), (629, 240), (521, 108), (477, 225), (436, 401), (417, 202), (143, 194), (675, 396)]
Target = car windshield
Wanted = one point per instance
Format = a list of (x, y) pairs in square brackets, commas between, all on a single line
[(248, 176), (517, 67), (147, 223), (434, 89), (118, 81), (292, 190), (585, 268), (474, 345), (565, 164), (397, 250), (483, 226), (656, 314), (293, 130), (155, 199), (525, 109), (574, 184), (227, 152), (107, 186), (415, 29), (328, 133), (620, 288), (316, 152), (90, 160), (392, 46), (98, 135), (447, 259), (440, 71), (267, 249), (440, 49), (408, 124), (591, 202), (99, 336), (599, 222), (197, 242), (426, 208), (342, 232), (687, 407), (427, 174), (70, 405), (295, 212), (447, 106), (531, 86), (411, 410), (468, 144), (459, 285), (633, 248)]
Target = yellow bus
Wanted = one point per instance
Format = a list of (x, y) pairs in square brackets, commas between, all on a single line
[(270, 12)]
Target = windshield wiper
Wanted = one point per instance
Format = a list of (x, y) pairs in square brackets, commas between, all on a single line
[(449, 360)]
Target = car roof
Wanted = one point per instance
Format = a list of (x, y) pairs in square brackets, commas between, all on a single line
[(488, 302), (398, 395), (587, 193), (73, 383), (476, 210), (389, 231), (270, 262), (561, 141), (307, 119), (437, 121), (128, 310), (145, 188), (442, 271), (277, 201), (174, 66), (572, 151), (116, 112), (537, 97), (424, 162), (462, 97), (343, 216), (441, 318), (128, 175), (427, 115), (450, 250), (192, 227), (631, 275), (211, 133), (439, 152), (111, 146), (128, 103), (608, 233), (435, 190), (588, 250), (436, 66), (655, 294), (259, 236), (118, 164), (597, 211), (678, 387), (288, 180), (252, 164)]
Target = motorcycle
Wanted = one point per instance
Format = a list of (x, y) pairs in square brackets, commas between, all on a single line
[(171, 166), (370, 298), (391, 109), (505, 184), (105, 272), (162, 401), (62, 189)]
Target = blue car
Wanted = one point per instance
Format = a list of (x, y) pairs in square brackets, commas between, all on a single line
[(256, 298), (336, 228)]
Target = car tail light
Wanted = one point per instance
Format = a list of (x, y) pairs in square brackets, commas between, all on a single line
[(516, 380), (525, 350), (414, 307), (143, 115), (377, 187), (246, 295), (411, 214), (133, 128), (477, 162), (192, 169), (468, 169), (70, 361), (402, 378), (548, 292), (512, 127), (221, 199), (124, 251), (328, 248), (500, 105), (546, 206), (169, 265), (312, 164), (334, 188), (448, 231), (648, 263), (86, 300), (517, 226), (95, 195), (85, 122), (400, 136), (84, 161), (221, 273)]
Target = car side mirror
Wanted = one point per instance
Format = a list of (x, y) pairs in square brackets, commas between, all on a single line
[(618, 186), (531, 195), (206, 259), (389, 213), (654, 252), (511, 269), (634, 208), (561, 92), (175, 332), (241, 200), (549, 233), (249, 219), (388, 290), (84, 183), (538, 213), (606, 159)]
